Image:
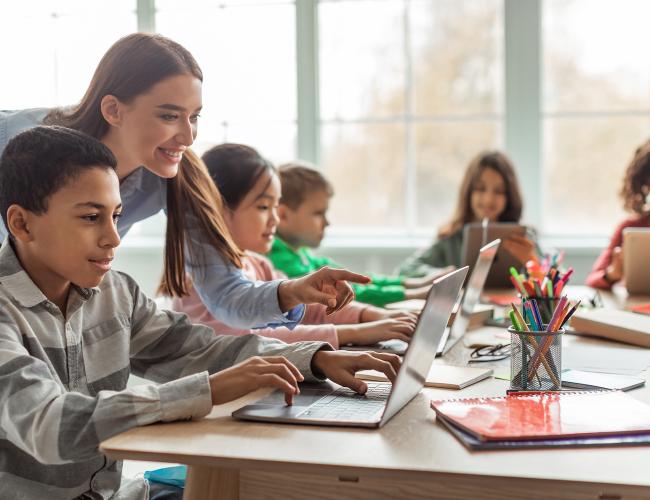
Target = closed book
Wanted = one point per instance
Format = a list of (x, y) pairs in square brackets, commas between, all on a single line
[(546, 415), (442, 376), (614, 324)]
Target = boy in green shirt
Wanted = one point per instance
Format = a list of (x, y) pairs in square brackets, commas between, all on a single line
[(303, 219)]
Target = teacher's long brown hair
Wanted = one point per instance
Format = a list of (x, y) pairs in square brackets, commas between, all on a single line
[(193, 192)]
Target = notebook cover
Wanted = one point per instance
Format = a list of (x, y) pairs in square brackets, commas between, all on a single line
[(641, 308), (547, 415), (443, 376), (501, 299), (473, 443)]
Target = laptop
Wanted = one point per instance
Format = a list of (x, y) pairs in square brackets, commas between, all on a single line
[(463, 316), (477, 234), (471, 297), (328, 403), (636, 271)]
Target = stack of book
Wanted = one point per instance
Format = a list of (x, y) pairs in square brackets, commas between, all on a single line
[(546, 419)]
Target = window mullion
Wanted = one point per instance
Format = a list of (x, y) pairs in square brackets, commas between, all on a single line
[(308, 140), (523, 127), (411, 201), (146, 13)]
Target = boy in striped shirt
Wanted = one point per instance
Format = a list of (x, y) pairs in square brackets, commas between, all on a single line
[(72, 330)]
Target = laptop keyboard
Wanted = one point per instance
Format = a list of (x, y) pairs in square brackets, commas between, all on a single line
[(345, 404)]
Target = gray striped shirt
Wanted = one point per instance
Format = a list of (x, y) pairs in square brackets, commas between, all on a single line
[(63, 380)]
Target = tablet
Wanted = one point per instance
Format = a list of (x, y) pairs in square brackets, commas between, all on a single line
[(477, 235), (636, 265)]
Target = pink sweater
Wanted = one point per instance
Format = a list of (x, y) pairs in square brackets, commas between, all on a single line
[(316, 325)]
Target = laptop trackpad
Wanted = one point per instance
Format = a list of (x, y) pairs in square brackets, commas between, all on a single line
[(264, 412), (274, 407)]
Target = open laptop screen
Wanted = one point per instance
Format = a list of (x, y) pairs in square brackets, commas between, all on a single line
[(424, 344), (472, 293)]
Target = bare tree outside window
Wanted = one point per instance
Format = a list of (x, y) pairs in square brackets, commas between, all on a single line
[(405, 106)]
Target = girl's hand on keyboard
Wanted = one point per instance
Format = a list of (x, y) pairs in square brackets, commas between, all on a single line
[(400, 328), (340, 366), (372, 313), (255, 373)]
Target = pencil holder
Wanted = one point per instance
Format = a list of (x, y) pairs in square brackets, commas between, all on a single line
[(535, 360), (546, 306)]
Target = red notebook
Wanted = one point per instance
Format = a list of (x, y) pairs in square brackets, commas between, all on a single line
[(502, 300), (546, 415), (641, 308)]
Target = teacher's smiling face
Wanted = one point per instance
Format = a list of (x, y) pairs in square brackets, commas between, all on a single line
[(156, 127)]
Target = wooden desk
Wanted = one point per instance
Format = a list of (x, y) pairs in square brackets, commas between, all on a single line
[(411, 457)]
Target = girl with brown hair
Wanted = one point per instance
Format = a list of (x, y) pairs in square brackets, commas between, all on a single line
[(489, 189), (608, 268), (143, 103), (250, 187)]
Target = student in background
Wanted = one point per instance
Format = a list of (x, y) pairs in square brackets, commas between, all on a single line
[(72, 330), (250, 189), (489, 189), (303, 218), (608, 268), (143, 103)]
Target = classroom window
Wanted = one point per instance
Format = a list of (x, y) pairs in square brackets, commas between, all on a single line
[(407, 91), (247, 52), (405, 106), (51, 47), (596, 108)]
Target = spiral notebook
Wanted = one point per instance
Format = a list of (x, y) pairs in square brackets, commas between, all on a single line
[(546, 415)]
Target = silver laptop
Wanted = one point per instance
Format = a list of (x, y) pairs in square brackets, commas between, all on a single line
[(463, 316), (330, 404), (470, 298), (636, 271)]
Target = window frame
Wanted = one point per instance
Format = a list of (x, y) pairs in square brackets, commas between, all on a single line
[(522, 120)]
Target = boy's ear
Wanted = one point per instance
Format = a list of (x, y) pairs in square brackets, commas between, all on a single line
[(111, 109), (18, 223), (283, 212)]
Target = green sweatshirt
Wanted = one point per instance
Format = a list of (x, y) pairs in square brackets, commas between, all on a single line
[(295, 263)]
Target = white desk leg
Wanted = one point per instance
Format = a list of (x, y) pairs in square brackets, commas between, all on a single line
[(211, 483)]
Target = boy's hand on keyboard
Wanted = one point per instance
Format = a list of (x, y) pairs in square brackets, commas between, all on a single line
[(326, 286), (370, 333), (255, 373), (340, 366)]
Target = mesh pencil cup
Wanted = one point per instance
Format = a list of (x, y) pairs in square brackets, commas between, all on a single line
[(535, 360)]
